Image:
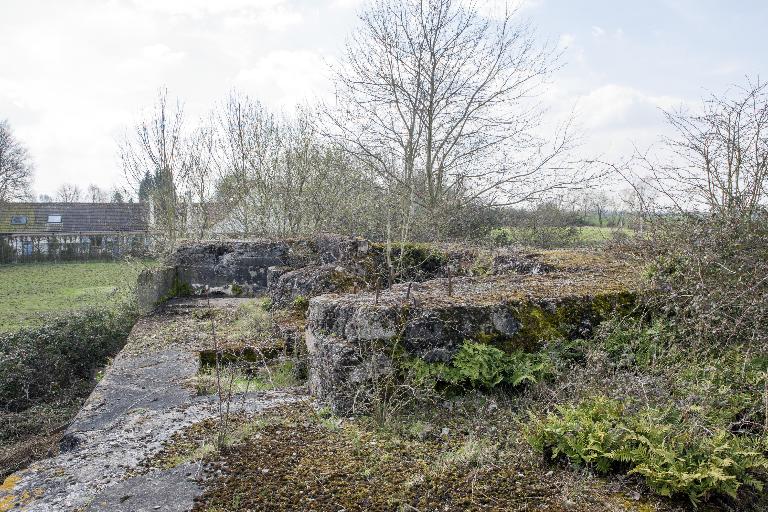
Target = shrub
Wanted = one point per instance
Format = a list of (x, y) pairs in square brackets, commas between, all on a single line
[(38, 364), (267, 304), (711, 274), (545, 237), (635, 343), (655, 444)]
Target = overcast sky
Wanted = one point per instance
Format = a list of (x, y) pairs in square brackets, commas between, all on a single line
[(75, 74)]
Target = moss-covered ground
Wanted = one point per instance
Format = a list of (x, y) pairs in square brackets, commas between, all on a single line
[(468, 458)]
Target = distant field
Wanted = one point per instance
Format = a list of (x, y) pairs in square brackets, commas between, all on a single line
[(595, 234), (28, 290), (586, 236)]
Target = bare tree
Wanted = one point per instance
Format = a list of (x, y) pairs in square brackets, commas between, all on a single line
[(15, 166), (44, 198), (717, 158), (154, 149), (198, 170), (441, 102), (68, 193), (247, 147), (95, 194)]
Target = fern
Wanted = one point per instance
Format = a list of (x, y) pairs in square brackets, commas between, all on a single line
[(597, 433), (478, 365)]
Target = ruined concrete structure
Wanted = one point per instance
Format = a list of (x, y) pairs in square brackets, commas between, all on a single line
[(353, 328), (512, 300)]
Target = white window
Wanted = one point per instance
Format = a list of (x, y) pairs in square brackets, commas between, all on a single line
[(54, 219)]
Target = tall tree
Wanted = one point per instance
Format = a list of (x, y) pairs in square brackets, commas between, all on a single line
[(198, 168), (154, 148), (95, 194), (441, 102), (15, 166), (717, 157)]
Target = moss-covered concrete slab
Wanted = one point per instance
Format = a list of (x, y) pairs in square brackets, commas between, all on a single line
[(351, 336)]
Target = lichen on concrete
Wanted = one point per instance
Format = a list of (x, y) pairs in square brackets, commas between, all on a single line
[(431, 319)]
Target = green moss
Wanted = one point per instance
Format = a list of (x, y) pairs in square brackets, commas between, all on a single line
[(179, 288), (482, 265), (621, 304), (300, 303), (565, 318), (410, 260), (246, 356)]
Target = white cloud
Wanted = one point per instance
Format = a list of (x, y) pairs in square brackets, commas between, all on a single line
[(286, 78), (598, 31), (615, 106), (198, 8), (496, 9), (346, 4), (566, 41)]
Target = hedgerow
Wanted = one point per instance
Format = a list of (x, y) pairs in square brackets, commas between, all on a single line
[(42, 363)]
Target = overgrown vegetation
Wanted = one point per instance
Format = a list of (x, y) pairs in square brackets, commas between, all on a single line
[(47, 371), (467, 458), (62, 323), (38, 364), (654, 443), (478, 365)]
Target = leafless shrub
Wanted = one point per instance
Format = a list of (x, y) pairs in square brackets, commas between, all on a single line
[(717, 158), (382, 388), (712, 275), (152, 158)]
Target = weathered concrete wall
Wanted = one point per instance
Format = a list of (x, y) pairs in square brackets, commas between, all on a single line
[(229, 267), (153, 286), (353, 339), (253, 267)]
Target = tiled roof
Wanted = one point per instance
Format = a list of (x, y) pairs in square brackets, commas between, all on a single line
[(75, 218)]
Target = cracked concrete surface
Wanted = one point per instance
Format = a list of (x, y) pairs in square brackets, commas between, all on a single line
[(143, 399)]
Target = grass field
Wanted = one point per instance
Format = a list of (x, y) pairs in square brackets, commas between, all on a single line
[(29, 290), (595, 234), (584, 236)]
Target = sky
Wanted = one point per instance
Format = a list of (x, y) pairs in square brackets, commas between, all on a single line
[(76, 75)]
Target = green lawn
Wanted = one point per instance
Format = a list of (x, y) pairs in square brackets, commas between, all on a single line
[(30, 289)]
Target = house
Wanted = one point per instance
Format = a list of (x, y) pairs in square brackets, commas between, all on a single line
[(71, 230)]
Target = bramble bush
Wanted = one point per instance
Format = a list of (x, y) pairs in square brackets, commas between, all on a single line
[(712, 276)]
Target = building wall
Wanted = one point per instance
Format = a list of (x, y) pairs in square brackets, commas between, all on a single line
[(68, 247)]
